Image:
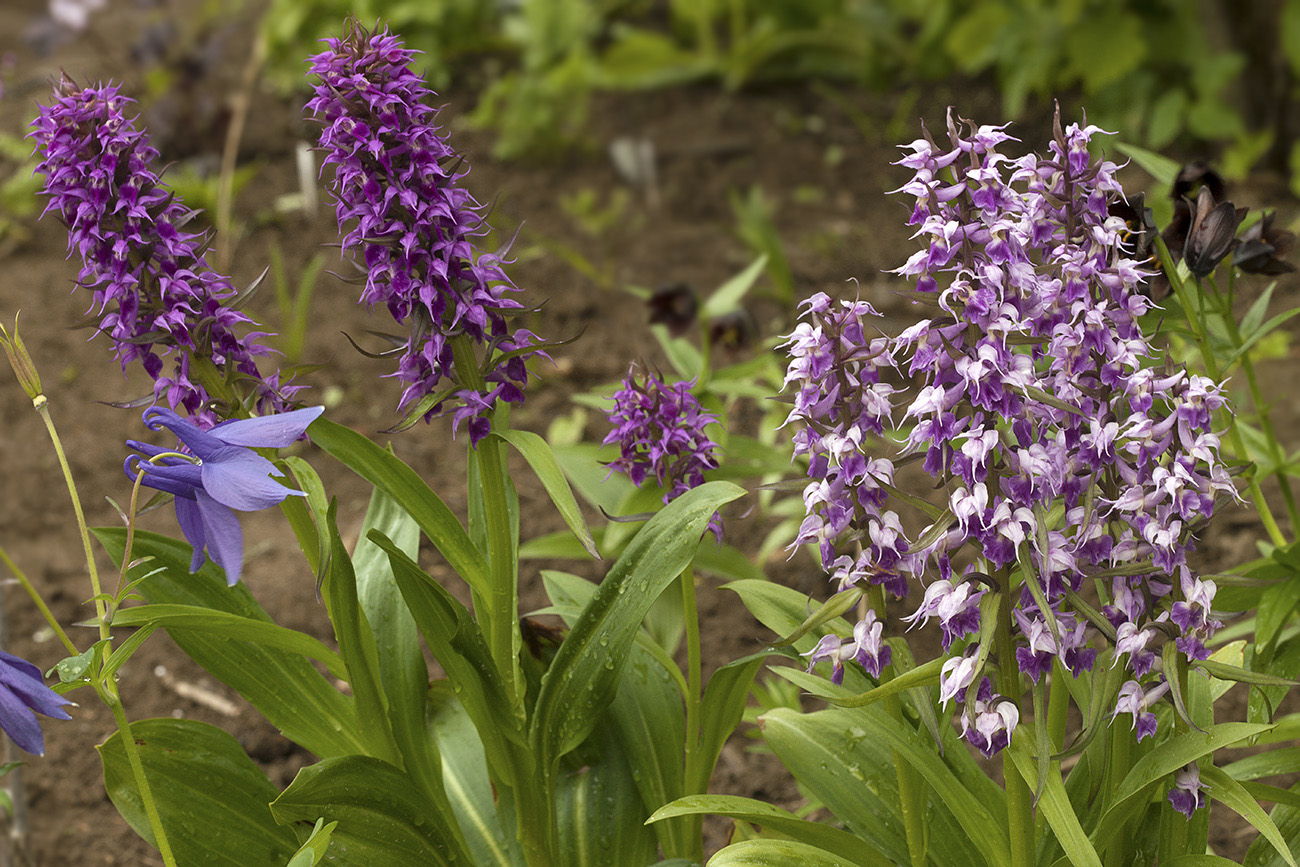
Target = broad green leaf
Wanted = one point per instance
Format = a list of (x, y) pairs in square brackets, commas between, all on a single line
[(1262, 853), (852, 775), (1200, 861), (1270, 764), (1056, 807), (775, 853), (382, 816), (313, 849), (212, 799), (581, 680), (1272, 794), (972, 813), (727, 297), (781, 609), (824, 837), (195, 618), (600, 813), (402, 671), (923, 675), (725, 561), (490, 838), (539, 457), (460, 648), (1177, 752), (593, 480), (1275, 608), (1242, 675), (721, 709), (306, 513), (1228, 791), (386, 472), (649, 720), (285, 687)]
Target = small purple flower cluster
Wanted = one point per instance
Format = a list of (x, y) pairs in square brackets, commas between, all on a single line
[(153, 291), (400, 207), (1067, 450), (659, 429)]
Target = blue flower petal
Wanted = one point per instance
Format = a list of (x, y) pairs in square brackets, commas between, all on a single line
[(271, 431), (25, 681), (19, 722), (187, 515), (196, 439), (181, 479), (238, 478), (224, 537)]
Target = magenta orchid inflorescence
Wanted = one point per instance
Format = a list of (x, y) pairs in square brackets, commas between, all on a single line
[(402, 211), (153, 292), (1067, 447), (660, 432)]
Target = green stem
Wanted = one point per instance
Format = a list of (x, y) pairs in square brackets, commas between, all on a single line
[(42, 407), (40, 603), (108, 692), (1020, 808), (912, 793), (694, 684), (1265, 421)]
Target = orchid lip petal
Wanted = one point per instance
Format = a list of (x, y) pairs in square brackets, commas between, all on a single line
[(271, 431)]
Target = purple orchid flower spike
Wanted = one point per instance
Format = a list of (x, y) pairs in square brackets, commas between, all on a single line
[(23, 694), (220, 474)]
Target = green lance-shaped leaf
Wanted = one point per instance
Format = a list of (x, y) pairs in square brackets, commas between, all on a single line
[(599, 811), (780, 609), (540, 458), (386, 472), (382, 816), (1262, 853), (1055, 806), (1163, 760), (284, 686), (776, 853), (402, 671), (357, 646), (195, 618), (824, 837), (831, 609), (1228, 791), (582, 678), (721, 709), (212, 798), (485, 819), (728, 296), (460, 648)]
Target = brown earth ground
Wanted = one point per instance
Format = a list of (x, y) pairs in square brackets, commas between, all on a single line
[(826, 172)]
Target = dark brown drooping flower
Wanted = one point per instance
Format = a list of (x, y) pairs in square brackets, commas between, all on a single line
[(1263, 248), (1213, 233)]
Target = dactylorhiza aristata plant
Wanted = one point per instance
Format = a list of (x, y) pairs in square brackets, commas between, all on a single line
[(1066, 447), (660, 433), (413, 229), (153, 292)]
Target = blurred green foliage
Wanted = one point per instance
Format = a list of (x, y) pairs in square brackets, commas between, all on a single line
[(1215, 71)]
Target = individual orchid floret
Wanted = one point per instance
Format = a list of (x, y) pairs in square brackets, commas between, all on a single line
[(1188, 792), (153, 292), (660, 433), (1136, 701), (218, 474), (414, 230), (23, 694), (988, 722), (866, 649)]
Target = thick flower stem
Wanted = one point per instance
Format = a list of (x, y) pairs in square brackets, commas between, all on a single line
[(42, 407), (108, 693), (690, 614), (1020, 810)]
